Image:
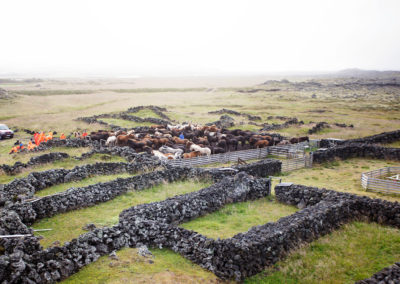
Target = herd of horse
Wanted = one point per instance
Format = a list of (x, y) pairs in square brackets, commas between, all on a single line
[(189, 140)]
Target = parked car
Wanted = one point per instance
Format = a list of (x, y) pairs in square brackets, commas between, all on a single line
[(5, 132)]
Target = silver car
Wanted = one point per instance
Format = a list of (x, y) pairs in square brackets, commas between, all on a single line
[(5, 132)]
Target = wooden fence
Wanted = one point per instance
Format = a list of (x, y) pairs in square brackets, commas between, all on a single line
[(297, 163), (293, 152), (375, 181)]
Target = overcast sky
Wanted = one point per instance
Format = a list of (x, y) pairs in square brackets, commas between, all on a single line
[(197, 37)]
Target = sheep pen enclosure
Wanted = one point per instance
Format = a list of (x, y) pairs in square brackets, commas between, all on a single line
[(143, 207)]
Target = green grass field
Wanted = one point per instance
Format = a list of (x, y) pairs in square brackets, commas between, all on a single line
[(67, 163), (85, 182), (354, 252), (69, 225)]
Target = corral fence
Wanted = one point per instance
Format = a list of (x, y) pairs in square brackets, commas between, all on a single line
[(379, 180), (294, 153), (297, 163)]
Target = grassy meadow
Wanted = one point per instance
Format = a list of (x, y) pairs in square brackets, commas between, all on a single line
[(354, 252)]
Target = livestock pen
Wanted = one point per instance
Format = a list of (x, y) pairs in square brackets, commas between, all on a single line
[(380, 181)]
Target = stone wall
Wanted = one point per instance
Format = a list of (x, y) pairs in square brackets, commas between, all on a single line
[(354, 150), (28, 263), (34, 161), (381, 138)]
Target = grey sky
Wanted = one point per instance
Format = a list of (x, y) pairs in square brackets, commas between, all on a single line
[(197, 37)]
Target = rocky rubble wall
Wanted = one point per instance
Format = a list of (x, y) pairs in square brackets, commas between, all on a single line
[(34, 161), (127, 116), (233, 112), (375, 210), (25, 188), (248, 253), (348, 151), (158, 110), (77, 198), (263, 168), (28, 263), (381, 138), (389, 275)]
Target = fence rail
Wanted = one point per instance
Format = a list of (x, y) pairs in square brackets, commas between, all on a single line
[(294, 153), (372, 181), (296, 163)]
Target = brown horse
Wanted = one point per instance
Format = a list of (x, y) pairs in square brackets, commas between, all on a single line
[(180, 141), (298, 140), (261, 143), (191, 155), (122, 140)]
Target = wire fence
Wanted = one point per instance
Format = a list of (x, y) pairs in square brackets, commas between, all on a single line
[(378, 181)]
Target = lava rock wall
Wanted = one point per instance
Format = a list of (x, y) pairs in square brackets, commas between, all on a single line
[(381, 138), (28, 263), (348, 151), (34, 161)]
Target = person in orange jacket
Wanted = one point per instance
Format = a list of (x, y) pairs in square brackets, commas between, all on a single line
[(14, 150), (31, 145), (62, 137), (49, 136), (84, 134)]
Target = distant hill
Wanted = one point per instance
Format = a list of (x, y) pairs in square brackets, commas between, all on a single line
[(355, 72)]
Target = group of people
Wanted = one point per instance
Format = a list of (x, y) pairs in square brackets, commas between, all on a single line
[(38, 138)]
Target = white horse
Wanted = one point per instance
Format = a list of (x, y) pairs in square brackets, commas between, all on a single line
[(111, 141), (204, 151), (159, 155), (165, 149)]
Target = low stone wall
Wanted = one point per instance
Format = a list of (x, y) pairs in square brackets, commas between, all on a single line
[(158, 110), (263, 168), (275, 126), (28, 263), (126, 116), (25, 188), (238, 257), (77, 198), (34, 161), (389, 275), (356, 150), (125, 152), (375, 210), (381, 138), (233, 112)]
